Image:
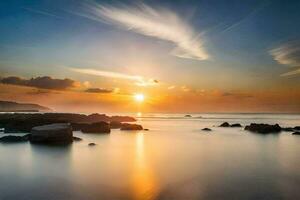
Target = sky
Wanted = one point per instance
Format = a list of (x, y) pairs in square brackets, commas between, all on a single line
[(183, 56)]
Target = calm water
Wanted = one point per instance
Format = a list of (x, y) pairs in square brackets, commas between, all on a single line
[(174, 160)]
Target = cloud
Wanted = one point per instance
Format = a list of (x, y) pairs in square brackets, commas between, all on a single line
[(44, 82), (139, 80), (158, 23), (185, 88), (288, 54), (42, 12), (297, 71), (106, 74), (171, 87), (98, 90), (236, 95)]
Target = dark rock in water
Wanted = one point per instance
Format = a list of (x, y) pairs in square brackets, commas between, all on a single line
[(122, 119), (296, 133), (78, 126), (297, 128), (263, 128), (236, 125), (24, 122), (146, 129), (115, 125), (98, 127), (206, 129), (188, 116), (131, 127), (288, 129), (12, 138), (92, 144), (77, 139), (225, 124), (53, 133)]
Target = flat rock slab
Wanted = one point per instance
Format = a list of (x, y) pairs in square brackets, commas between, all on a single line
[(53, 133), (14, 139)]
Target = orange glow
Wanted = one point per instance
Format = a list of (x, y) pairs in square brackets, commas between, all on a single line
[(139, 97), (143, 179)]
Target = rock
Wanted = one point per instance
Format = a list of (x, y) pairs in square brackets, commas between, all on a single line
[(98, 127), (53, 133), (12, 138), (122, 119), (146, 129), (131, 127), (236, 125), (296, 133), (297, 128), (263, 128), (288, 129), (77, 139), (206, 129), (79, 126), (188, 116), (92, 144), (24, 122), (115, 125), (225, 124)]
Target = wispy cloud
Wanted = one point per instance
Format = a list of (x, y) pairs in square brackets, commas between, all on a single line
[(98, 90), (106, 74), (41, 12), (139, 80), (297, 71), (288, 54), (158, 23)]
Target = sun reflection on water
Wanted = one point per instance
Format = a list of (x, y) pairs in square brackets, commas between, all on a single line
[(143, 179)]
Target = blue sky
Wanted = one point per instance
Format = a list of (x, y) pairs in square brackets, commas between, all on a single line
[(208, 44)]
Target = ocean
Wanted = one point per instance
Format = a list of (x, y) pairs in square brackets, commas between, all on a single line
[(175, 159)]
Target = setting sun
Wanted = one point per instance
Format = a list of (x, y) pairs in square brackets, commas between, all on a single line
[(139, 97)]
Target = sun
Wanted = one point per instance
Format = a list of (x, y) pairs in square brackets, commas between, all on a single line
[(139, 97)]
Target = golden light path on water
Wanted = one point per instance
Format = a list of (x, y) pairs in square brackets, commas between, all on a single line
[(143, 180)]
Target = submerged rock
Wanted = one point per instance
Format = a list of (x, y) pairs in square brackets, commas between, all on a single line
[(77, 139), (206, 129), (92, 144), (296, 133), (98, 127), (263, 128), (131, 127), (225, 124), (236, 125), (288, 129), (53, 133), (297, 128), (13, 138)]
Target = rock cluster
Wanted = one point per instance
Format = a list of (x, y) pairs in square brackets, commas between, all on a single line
[(24, 122), (263, 128), (226, 124)]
